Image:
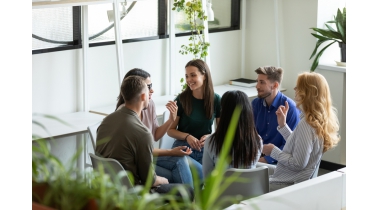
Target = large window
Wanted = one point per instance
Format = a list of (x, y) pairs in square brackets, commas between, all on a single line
[(52, 27), (222, 17), (57, 29), (140, 22)]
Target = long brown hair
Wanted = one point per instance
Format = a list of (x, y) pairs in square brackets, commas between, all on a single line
[(314, 99), (208, 90), (246, 143)]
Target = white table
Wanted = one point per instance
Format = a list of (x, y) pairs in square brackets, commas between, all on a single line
[(77, 124), (160, 101)]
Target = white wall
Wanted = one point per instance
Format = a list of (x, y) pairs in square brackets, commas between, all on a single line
[(297, 45), (260, 36), (337, 80), (295, 17)]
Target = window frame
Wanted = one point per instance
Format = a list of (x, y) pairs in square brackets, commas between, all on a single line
[(162, 28)]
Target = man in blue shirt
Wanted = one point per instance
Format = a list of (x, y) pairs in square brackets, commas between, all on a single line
[(269, 98)]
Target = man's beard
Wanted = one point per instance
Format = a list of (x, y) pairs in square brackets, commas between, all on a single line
[(264, 96)]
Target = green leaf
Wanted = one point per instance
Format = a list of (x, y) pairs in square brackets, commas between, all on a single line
[(330, 28), (344, 18), (319, 42), (321, 37), (339, 16), (342, 32), (316, 60), (328, 33)]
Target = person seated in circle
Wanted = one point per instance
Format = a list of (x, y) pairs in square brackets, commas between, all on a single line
[(171, 163), (246, 147)]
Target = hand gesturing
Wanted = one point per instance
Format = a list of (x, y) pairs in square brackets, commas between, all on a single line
[(281, 113), (172, 107)]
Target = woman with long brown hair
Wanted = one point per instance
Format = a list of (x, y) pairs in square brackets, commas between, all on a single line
[(198, 106)]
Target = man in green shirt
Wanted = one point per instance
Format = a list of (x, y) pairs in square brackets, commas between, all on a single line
[(128, 140)]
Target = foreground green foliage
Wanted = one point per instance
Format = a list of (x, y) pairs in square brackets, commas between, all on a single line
[(68, 188)]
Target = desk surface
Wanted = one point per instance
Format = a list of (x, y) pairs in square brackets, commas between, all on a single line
[(77, 123), (161, 101)]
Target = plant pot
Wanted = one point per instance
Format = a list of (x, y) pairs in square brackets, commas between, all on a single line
[(38, 191), (37, 206), (342, 52), (91, 205)]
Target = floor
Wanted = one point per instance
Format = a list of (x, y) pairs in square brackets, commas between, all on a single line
[(322, 171)]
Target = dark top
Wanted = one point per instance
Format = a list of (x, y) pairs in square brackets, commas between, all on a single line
[(197, 124)]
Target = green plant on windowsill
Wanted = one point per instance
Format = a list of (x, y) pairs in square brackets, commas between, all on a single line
[(195, 14), (330, 35)]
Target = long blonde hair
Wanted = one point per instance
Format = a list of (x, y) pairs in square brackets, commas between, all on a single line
[(314, 99)]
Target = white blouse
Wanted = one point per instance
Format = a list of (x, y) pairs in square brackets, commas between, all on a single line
[(301, 154)]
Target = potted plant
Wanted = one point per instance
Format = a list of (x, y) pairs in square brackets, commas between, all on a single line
[(331, 35), (196, 17), (59, 186)]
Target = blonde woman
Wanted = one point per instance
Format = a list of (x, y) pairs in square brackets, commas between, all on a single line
[(316, 133)]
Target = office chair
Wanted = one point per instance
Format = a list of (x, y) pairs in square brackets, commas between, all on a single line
[(272, 167), (251, 183), (92, 130), (111, 167)]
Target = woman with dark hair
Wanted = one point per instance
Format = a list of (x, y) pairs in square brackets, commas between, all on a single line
[(198, 106), (316, 133), (247, 144), (171, 163)]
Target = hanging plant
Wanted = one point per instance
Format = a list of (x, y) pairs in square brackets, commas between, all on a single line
[(196, 16)]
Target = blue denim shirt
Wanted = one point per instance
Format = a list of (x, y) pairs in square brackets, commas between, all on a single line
[(266, 120)]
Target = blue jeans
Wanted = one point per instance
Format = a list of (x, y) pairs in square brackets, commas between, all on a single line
[(194, 158), (176, 169)]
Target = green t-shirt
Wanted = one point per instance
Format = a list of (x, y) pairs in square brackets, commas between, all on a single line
[(197, 123)]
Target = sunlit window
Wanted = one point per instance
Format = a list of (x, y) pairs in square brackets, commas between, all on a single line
[(222, 17), (141, 21), (55, 29), (52, 27)]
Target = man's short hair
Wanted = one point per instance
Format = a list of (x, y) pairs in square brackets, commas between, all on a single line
[(131, 88), (274, 74)]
